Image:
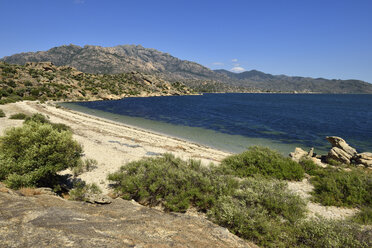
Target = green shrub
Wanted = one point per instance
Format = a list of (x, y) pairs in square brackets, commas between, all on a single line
[(40, 118), (2, 114), (331, 233), (18, 116), (343, 188), (81, 189), (261, 211), (262, 161), (309, 166), (363, 217), (32, 155), (174, 183), (85, 165)]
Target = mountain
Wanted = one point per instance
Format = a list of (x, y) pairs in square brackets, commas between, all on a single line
[(45, 81), (129, 58)]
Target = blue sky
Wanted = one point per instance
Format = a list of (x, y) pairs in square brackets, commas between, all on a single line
[(328, 38)]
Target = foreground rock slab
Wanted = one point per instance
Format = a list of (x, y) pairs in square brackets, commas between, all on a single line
[(50, 221)]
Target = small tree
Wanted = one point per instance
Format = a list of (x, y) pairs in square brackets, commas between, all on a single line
[(32, 155)]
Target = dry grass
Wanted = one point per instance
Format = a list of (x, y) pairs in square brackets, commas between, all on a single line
[(29, 191)]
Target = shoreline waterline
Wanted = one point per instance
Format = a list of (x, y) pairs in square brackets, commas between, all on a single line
[(200, 136)]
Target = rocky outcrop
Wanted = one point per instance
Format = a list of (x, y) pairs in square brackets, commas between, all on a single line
[(300, 154), (364, 159), (50, 221), (340, 152)]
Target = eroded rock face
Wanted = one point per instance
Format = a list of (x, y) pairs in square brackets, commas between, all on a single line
[(339, 155), (364, 158), (341, 151), (298, 154), (341, 143), (50, 221)]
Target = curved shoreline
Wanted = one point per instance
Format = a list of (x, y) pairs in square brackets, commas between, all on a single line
[(112, 143)]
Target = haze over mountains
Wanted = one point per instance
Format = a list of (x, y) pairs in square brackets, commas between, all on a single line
[(129, 58)]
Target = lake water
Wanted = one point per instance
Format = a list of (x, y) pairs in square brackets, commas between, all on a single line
[(234, 122)]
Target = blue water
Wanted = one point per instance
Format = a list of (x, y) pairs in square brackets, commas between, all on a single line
[(290, 119)]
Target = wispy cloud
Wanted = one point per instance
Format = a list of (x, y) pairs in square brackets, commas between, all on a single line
[(218, 63), (79, 1), (234, 60), (237, 69)]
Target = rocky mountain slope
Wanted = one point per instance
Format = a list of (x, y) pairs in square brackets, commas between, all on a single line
[(45, 81), (128, 58)]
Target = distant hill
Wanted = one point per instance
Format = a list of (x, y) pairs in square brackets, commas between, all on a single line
[(45, 81), (129, 58)]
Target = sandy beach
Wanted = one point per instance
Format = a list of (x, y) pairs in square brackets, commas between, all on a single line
[(111, 143)]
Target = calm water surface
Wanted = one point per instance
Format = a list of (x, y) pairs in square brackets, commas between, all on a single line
[(235, 121)]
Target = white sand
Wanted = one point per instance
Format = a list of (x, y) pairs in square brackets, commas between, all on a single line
[(112, 144)]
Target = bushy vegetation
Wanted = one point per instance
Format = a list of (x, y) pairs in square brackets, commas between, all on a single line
[(310, 167), (170, 181), (18, 116), (260, 210), (364, 216), (81, 189), (32, 155), (84, 165), (330, 233), (2, 114), (262, 161), (337, 187), (255, 207), (19, 83), (40, 118)]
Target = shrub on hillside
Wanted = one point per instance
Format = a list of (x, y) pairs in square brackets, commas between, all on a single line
[(363, 217), (32, 155), (261, 211), (170, 181), (337, 187), (81, 190), (2, 114), (331, 233), (262, 161), (18, 116), (309, 166)]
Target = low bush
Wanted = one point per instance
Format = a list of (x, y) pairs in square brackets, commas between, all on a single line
[(261, 211), (84, 165), (81, 189), (18, 116), (262, 161), (309, 166), (337, 187), (32, 155), (330, 233), (2, 114), (363, 217), (40, 118), (170, 181)]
